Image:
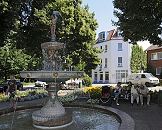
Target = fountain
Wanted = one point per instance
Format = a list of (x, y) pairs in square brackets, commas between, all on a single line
[(53, 114)]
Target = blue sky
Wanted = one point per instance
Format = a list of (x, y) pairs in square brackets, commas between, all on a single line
[(103, 10)]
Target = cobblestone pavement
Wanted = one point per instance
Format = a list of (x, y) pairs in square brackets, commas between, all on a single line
[(145, 117)]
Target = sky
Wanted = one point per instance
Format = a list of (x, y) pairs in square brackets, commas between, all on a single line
[(103, 10)]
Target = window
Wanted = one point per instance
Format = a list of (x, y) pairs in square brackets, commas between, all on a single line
[(159, 55), (119, 61), (158, 70), (106, 75), (101, 75), (101, 36), (121, 75), (95, 76), (105, 48), (105, 62), (143, 76), (101, 47), (100, 66), (119, 46), (154, 56)]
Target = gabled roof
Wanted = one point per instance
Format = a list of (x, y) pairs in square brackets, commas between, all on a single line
[(153, 47), (110, 34)]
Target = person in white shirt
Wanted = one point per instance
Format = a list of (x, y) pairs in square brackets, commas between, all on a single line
[(144, 92), (134, 94)]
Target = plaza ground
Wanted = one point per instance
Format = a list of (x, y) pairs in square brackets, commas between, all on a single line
[(145, 117)]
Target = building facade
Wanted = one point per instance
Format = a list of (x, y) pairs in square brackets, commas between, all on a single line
[(115, 58), (154, 59)]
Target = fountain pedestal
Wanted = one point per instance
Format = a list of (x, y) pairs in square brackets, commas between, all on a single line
[(53, 114)]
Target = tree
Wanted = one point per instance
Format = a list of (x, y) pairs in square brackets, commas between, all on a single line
[(13, 60), (138, 59), (77, 30), (139, 20)]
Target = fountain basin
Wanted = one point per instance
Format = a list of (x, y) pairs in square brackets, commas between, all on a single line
[(85, 117), (52, 122)]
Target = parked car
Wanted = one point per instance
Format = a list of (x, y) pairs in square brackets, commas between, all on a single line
[(40, 84), (4, 85), (143, 78)]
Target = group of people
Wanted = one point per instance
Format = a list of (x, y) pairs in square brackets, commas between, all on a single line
[(138, 92)]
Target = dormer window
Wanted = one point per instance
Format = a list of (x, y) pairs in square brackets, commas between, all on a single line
[(101, 36)]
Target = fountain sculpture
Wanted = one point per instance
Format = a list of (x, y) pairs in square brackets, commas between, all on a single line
[(53, 114)]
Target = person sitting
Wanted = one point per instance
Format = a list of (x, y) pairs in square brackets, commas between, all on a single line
[(134, 94), (144, 92), (106, 96), (117, 92)]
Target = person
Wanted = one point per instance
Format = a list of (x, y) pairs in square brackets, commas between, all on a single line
[(134, 94), (11, 90), (144, 92), (117, 92)]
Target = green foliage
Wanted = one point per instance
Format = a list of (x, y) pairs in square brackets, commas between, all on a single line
[(13, 60), (77, 30), (139, 19), (87, 80), (138, 59), (4, 98), (68, 98), (160, 82), (94, 92), (21, 94)]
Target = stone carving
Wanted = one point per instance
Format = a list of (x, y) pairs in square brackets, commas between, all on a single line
[(54, 16)]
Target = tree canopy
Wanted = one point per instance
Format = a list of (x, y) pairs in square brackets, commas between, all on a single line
[(138, 59), (77, 30), (139, 20), (14, 60)]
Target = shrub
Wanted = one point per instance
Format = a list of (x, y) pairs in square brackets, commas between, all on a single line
[(87, 81), (21, 94), (94, 92), (3, 98), (160, 82)]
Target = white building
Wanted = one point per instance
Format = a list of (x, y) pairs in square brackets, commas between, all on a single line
[(115, 58)]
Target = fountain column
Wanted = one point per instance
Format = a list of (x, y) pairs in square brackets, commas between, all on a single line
[(53, 114)]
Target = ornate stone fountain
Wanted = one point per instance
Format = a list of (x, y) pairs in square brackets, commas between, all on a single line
[(53, 114)]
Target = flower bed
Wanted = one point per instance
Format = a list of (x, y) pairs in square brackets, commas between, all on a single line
[(25, 95)]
